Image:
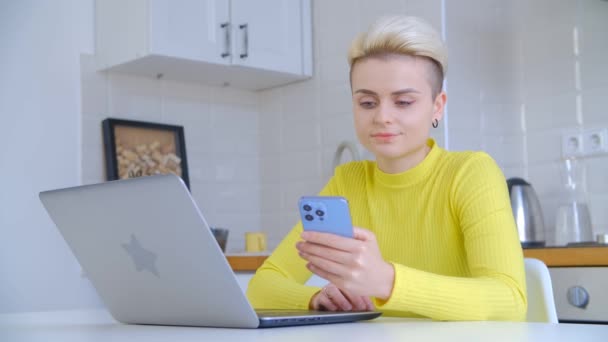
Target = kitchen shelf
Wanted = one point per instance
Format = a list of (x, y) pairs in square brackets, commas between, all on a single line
[(553, 257), (244, 263), (570, 256)]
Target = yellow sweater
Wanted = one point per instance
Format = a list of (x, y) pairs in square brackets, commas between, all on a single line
[(446, 226)]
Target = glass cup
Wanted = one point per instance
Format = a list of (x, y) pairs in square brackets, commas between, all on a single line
[(572, 224), (571, 171)]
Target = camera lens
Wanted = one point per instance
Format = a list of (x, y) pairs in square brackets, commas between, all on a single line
[(309, 217), (320, 212), (307, 207)]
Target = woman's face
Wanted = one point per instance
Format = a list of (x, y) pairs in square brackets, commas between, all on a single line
[(394, 108)]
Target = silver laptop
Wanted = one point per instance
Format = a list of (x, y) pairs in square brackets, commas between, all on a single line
[(151, 256)]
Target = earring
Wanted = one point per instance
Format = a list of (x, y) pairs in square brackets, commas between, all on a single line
[(435, 123)]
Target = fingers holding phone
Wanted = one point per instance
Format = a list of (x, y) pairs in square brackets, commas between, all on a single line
[(345, 256)]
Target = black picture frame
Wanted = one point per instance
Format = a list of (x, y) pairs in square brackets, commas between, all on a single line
[(139, 148)]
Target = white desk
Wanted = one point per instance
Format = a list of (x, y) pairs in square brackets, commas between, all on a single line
[(69, 326)]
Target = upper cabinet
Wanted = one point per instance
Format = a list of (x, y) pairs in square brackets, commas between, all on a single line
[(191, 29), (268, 34), (247, 44)]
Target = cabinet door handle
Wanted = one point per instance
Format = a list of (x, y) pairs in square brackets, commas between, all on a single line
[(245, 29), (226, 27)]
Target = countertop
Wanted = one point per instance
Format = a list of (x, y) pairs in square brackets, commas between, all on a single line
[(552, 256), (92, 326)]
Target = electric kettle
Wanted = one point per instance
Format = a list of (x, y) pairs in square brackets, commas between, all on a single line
[(527, 212)]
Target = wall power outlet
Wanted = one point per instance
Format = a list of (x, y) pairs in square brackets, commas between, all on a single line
[(595, 141), (572, 144), (589, 142)]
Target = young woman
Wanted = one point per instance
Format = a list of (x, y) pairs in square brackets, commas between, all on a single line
[(435, 236)]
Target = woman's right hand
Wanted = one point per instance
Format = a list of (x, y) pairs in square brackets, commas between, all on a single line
[(331, 298)]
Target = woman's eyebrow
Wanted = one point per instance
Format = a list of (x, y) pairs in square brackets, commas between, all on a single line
[(398, 92), (405, 91), (365, 91)]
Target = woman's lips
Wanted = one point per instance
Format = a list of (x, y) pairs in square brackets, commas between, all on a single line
[(384, 136)]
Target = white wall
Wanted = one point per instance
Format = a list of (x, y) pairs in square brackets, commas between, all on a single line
[(40, 115), (513, 89), (221, 130), (522, 73)]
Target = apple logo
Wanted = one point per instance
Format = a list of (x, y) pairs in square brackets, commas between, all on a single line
[(142, 258)]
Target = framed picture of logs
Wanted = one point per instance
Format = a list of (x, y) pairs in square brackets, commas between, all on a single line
[(137, 148)]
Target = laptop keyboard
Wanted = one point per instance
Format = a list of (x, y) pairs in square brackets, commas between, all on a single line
[(284, 312)]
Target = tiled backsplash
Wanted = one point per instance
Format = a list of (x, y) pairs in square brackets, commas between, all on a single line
[(222, 139), (521, 74), (511, 93)]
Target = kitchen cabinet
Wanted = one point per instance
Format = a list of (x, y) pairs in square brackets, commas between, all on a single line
[(580, 293), (579, 276), (245, 44), (267, 34)]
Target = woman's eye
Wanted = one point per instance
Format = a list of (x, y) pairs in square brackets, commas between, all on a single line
[(367, 104), (403, 103)]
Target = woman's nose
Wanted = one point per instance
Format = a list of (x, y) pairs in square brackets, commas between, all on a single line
[(383, 114)]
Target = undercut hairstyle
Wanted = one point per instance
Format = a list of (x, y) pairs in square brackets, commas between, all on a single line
[(403, 36)]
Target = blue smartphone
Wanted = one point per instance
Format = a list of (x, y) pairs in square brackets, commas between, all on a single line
[(326, 214)]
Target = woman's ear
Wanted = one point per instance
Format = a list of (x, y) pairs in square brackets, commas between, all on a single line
[(439, 105)]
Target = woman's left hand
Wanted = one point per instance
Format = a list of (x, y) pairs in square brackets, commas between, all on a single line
[(354, 265)]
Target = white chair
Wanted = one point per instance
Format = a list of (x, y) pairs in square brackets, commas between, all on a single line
[(541, 304)]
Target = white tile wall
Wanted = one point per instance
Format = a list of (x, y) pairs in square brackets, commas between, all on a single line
[(521, 74), (463, 140), (333, 33), (599, 214), (546, 178), (337, 128), (270, 170), (595, 111), (336, 99), (507, 150), (95, 91), (369, 11), (513, 89), (552, 111), (430, 10), (134, 97), (593, 64), (597, 175), (300, 134), (222, 139), (300, 166), (544, 145), (502, 118)]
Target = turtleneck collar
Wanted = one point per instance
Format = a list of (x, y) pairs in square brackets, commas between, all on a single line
[(413, 175)]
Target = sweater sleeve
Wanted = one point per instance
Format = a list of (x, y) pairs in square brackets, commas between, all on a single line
[(496, 288), (279, 282)]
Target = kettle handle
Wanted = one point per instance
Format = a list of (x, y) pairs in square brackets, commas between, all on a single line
[(515, 181)]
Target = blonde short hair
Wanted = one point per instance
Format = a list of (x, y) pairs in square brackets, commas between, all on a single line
[(402, 35)]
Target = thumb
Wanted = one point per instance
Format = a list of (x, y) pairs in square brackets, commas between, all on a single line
[(363, 234)]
